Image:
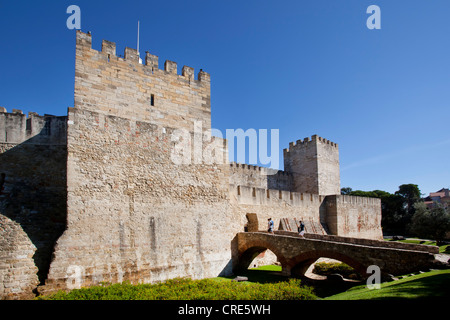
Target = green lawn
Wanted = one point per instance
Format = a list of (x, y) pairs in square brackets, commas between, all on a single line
[(429, 285), (263, 274)]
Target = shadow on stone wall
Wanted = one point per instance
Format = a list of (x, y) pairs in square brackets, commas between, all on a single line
[(33, 192)]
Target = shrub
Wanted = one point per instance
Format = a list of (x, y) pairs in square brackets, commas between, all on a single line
[(327, 268)]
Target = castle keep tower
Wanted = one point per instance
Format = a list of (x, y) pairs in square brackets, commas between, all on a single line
[(133, 214), (314, 165)]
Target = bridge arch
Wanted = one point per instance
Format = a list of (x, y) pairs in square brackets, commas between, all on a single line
[(252, 249), (298, 265), (296, 254)]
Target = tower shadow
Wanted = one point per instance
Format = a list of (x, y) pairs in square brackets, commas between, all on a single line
[(33, 188)]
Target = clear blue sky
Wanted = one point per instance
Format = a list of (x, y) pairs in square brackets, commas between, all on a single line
[(303, 67)]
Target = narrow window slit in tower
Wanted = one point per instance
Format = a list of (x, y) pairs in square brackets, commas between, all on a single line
[(152, 100)]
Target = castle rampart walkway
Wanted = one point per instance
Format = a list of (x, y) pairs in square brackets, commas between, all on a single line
[(296, 254)]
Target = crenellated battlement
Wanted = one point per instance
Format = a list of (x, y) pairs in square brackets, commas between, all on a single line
[(261, 196), (356, 200), (307, 141), (132, 55), (16, 127), (262, 170), (260, 177), (131, 88)]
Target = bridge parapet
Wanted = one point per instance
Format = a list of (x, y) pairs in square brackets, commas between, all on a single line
[(367, 242)]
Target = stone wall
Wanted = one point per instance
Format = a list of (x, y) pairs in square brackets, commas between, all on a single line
[(345, 216), (277, 204), (18, 273), (351, 216), (16, 128)]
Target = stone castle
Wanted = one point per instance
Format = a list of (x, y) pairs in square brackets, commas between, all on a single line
[(94, 196)]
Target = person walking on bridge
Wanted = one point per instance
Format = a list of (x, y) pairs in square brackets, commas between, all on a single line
[(270, 229), (301, 229)]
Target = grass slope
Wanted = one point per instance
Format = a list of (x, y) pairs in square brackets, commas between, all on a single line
[(429, 285)]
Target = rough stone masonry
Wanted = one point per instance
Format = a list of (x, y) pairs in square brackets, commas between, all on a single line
[(94, 196)]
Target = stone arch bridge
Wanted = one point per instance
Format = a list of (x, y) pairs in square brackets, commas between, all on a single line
[(296, 254)]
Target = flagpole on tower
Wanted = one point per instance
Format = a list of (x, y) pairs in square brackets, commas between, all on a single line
[(139, 55)]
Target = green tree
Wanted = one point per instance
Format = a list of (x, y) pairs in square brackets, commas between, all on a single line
[(393, 211), (431, 223), (346, 191), (411, 195)]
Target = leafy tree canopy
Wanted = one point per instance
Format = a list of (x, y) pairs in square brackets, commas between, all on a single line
[(431, 223)]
